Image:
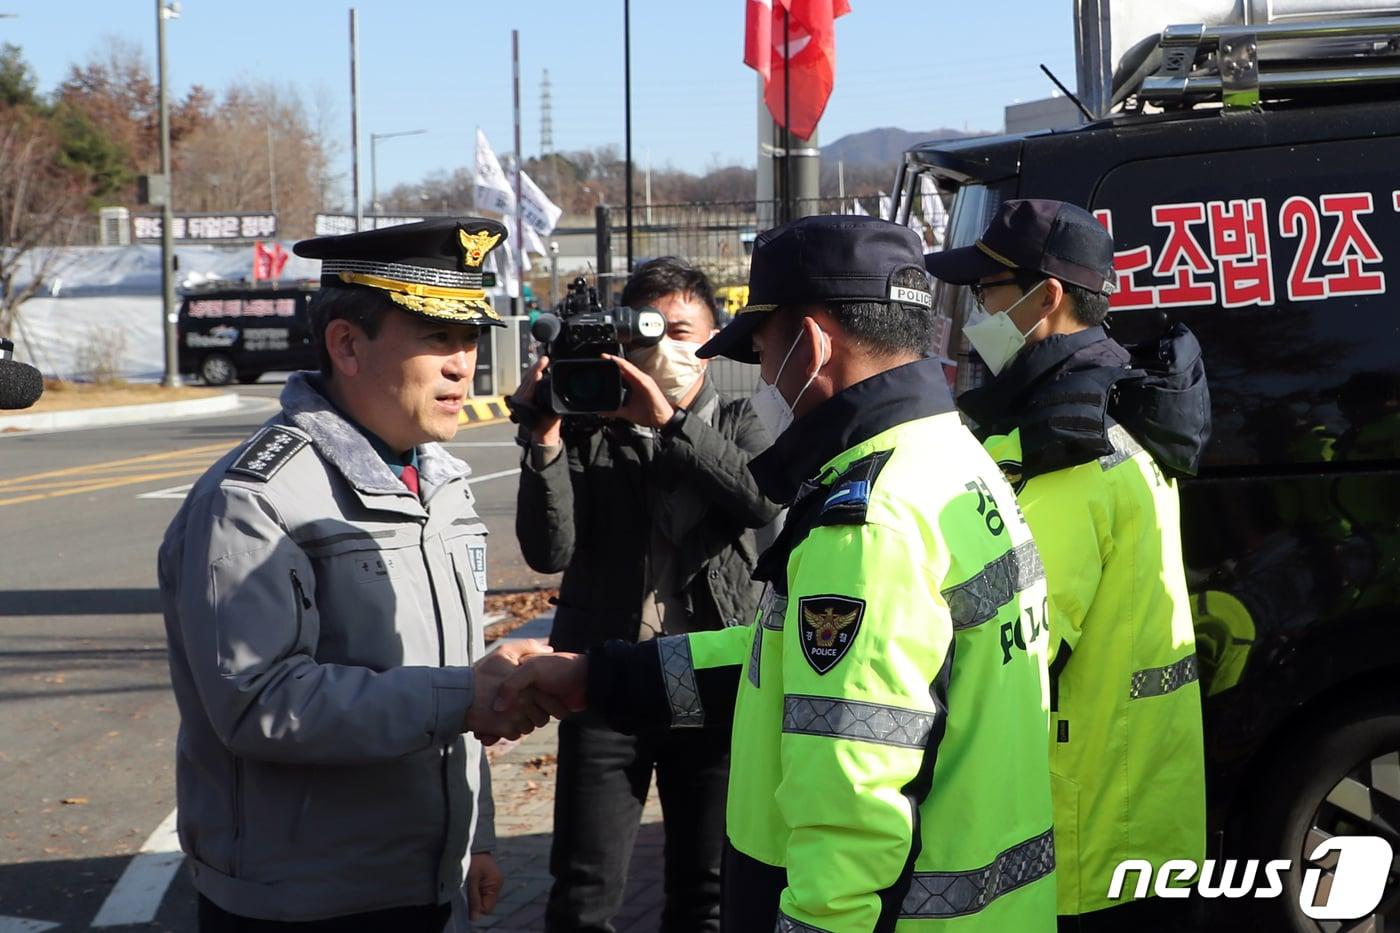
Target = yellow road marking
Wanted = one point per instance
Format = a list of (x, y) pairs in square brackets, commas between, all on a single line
[(103, 484), (98, 467), (96, 477)]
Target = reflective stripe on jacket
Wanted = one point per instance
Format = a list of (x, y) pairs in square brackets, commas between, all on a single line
[(906, 787)]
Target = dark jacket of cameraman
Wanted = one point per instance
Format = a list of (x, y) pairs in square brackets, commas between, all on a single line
[(618, 503)]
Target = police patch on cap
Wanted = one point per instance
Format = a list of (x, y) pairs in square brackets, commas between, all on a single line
[(432, 268), (828, 628)]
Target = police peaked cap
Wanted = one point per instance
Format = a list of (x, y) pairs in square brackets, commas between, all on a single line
[(431, 268), (819, 259), (1052, 238)]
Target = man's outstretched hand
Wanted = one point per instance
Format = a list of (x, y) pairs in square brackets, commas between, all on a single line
[(526, 712), (558, 680)]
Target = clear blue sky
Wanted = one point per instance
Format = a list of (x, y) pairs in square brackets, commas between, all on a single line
[(446, 67)]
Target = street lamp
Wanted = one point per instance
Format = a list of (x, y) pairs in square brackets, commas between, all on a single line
[(374, 139), (166, 10)]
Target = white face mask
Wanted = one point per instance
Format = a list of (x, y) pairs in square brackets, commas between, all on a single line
[(672, 364), (773, 411), (995, 337)]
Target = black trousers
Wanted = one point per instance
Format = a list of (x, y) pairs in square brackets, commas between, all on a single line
[(602, 786), (1149, 915), (428, 919)]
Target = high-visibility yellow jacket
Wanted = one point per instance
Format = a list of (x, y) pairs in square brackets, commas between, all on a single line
[(1126, 752), (889, 767)]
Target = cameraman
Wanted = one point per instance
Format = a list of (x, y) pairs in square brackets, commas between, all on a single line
[(649, 516)]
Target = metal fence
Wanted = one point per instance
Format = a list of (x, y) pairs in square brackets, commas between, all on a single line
[(716, 236)]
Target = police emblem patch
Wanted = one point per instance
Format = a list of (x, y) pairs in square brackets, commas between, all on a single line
[(829, 627)]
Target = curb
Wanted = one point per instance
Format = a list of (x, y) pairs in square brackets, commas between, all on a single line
[(120, 414), (485, 408)]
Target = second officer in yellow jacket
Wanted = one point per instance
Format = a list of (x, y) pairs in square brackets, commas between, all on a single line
[(1093, 438)]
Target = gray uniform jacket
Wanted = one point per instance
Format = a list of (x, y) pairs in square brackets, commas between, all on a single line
[(321, 621), (590, 513)]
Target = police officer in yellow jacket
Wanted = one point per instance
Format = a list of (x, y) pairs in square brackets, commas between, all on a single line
[(889, 767), (1092, 437)]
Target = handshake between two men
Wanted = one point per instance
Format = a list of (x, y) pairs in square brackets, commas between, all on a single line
[(521, 686)]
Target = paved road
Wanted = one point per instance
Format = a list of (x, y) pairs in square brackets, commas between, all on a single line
[(86, 715)]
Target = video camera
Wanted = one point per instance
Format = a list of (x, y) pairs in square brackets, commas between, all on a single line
[(578, 381)]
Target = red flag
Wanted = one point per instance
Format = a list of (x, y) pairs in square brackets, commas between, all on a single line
[(277, 260), (801, 83), (262, 262)]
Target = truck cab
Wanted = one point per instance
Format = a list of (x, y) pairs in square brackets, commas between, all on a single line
[(1264, 214)]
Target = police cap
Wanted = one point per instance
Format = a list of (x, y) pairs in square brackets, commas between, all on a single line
[(1053, 238), (431, 268), (820, 259)]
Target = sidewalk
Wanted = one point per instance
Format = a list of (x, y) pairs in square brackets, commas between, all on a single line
[(522, 782), (522, 777)]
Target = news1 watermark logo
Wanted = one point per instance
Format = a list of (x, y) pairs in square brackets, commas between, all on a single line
[(1357, 883)]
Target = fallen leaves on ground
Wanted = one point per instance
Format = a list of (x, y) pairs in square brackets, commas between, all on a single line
[(520, 607)]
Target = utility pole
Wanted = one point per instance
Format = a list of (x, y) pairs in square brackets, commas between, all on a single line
[(271, 170), (374, 139), (167, 211), (519, 174), (627, 111), (355, 117)]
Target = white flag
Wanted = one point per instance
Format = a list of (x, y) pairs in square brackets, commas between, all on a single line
[(857, 209), (917, 226), (505, 268), (538, 212), (495, 191)]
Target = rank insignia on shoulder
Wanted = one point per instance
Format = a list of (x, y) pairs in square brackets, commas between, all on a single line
[(850, 493), (268, 452), (829, 625), (1012, 470)]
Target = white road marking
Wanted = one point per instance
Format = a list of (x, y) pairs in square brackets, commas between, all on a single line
[(141, 888), (25, 925), (170, 492), (490, 476)]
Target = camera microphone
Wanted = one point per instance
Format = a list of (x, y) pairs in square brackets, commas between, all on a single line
[(20, 384), (546, 327)]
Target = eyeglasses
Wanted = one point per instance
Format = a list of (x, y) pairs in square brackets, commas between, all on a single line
[(979, 289)]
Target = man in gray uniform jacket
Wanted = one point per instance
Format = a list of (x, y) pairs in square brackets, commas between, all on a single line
[(322, 588)]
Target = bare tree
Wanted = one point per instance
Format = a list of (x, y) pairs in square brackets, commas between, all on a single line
[(42, 207)]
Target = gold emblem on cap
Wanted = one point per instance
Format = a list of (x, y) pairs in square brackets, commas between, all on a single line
[(475, 246)]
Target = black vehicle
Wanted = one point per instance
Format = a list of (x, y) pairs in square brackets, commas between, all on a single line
[(237, 331), (1273, 232)]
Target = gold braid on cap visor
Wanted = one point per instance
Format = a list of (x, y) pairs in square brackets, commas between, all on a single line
[(995, 255), (448, 304)]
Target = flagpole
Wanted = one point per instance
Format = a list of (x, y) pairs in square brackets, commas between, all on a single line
[(519, 174), (787, 118), (627, 110)]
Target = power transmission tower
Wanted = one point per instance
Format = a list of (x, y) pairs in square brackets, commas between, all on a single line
[(546, 126)]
